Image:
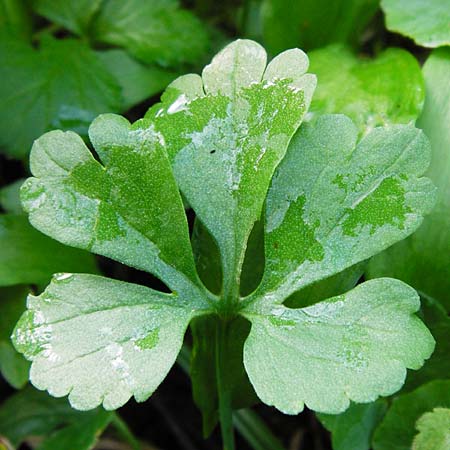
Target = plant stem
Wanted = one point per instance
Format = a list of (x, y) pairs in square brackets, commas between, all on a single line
[(225, 409), (124, 431)]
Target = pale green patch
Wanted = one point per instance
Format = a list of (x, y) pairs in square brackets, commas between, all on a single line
[(434, 430), (95, 339), (427, 22), (353, 347)]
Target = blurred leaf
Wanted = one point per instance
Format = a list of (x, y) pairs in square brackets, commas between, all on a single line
[(10, 199), (434, 430), (13, 366), (353, 428), (396, 431), (423, 259), (27, 256), (425, 21), (34, 413), (74, 15), (154, 31), (138, 81), (37, 84), (312, 24), (373, 92), (15, 17)]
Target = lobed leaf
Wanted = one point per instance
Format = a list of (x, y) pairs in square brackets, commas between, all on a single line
[(351, 201), (356, 347), (127, 208), (126, 337), (434, 430)]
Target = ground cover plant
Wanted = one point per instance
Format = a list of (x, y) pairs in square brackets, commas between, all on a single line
[(268, 238)]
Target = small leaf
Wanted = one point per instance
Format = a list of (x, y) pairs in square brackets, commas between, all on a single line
[(396, 431), (423, 259), (314, 23), (127, 338), (75, 15), (33, 413), (353, 428), (29, 257), (434, 430), (424, 21), (372, 92), (353, 347), (67, 68), (154, 31), (351, 201)]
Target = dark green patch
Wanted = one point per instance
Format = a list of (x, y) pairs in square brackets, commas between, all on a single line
[(385, 205), (280, 322)]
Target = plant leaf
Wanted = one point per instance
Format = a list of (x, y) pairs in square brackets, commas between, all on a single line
[(353, 428), (424, 21), (33, 413), (128, 209), (75, 15), (396, 431), (356, 346), (434, 430), (350, 202), (226, 131), (29, 257), (67, 68), (127, 338), (423, 259), (314, 23), (154, 31), (138, 81), (10, 198), (16, 18), (372, 92), (13, 366)]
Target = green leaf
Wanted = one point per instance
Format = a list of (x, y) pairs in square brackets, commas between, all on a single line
[(356, 346), (75, 15), (138, 81), (314, 23), (372, 92), (10, 198), (424, 21), (33, 413), (127, 338), (226, 131), (15, 17), (423, 259), (396, 431), (67, 69), (154, 31), (203, 376), (351, 201), (29, 257), (434, 430), (127, 207), (353, 428), (13, 366)]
